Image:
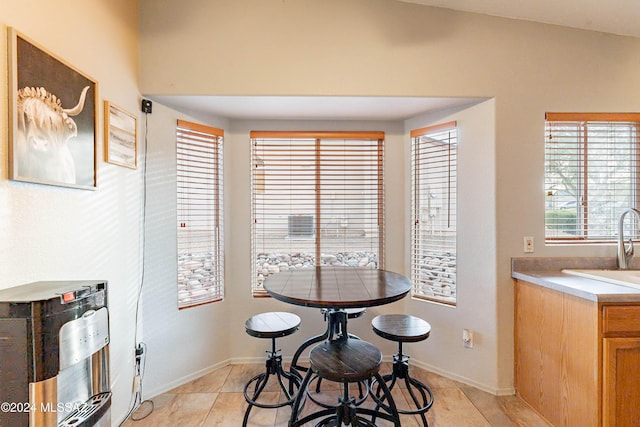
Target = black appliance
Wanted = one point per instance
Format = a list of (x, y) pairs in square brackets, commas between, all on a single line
[(54, 355)]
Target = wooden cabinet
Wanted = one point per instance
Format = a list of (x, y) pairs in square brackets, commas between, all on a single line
[(577, 362), (556, 355), (621, 379)]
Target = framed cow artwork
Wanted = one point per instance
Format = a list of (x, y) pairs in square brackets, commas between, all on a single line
[(52, 118)]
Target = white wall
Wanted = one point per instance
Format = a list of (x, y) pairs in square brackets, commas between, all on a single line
[(239, 221), (390, 48), (181, 344), (476, 228), (55, 233)]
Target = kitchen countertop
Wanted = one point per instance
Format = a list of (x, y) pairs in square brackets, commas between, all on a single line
[(547, 272)]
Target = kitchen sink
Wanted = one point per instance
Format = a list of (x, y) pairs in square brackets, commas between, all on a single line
[(629, 278)]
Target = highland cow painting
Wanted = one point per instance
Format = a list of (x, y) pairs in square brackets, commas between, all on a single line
[(53, 110)]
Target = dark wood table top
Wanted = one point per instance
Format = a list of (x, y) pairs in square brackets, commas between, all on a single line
[(337, 287)]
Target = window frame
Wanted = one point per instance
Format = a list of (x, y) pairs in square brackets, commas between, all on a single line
[(418, 167), (584, 121), (317, 136), (200, 199)]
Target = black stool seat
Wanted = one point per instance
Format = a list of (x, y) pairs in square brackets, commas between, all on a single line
[(350, 360), (401, 327), (272, 325), (346, 360)]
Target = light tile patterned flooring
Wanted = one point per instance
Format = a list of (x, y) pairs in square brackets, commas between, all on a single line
[(216, 399)]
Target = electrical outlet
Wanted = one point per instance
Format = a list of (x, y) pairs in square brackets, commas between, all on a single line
[(467, 338), (528, 244)]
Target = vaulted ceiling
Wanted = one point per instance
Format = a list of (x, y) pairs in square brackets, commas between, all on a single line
[(609, 16), (620, 17)]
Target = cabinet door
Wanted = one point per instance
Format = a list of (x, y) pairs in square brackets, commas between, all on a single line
[(621, 382)]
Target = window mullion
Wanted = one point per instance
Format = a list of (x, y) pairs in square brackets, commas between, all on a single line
[(381, 231), (584, 199), (317, 199), (635, 169)]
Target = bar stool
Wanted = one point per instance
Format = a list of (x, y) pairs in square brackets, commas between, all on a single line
[(271, 325), (336, 323), (405, 328), (345, 361)]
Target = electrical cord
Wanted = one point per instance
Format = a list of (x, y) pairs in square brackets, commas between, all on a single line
[(144, 407), (136, 401), (141, 352)]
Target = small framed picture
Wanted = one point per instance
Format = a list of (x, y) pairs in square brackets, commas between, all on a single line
[(121, 136), (52, 118)]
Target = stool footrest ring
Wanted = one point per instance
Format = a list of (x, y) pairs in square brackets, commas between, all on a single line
[(357, 402), (273, 368), (347, 410), (411, 385), (261, 381)]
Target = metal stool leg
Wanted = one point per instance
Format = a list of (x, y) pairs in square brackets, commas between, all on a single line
[(273, 366), (401, 372), (426, 401), (299, 400), (392, 412)]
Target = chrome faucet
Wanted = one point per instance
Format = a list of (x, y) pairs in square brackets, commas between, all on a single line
[(625, 254)]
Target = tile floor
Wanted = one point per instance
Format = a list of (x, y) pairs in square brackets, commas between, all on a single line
[(216, 399)]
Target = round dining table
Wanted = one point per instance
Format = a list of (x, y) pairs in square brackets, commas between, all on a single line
[(335, 289)]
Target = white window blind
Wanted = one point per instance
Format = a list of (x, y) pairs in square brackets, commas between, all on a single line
[(200, 219), (433, 207), (591, 174), (317, 199)]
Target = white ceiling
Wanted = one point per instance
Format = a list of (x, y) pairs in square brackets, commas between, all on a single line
[(312, 107), (611, 16)]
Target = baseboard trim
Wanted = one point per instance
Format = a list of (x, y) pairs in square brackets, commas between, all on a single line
[(508, 391), (243, 360), (185, 379)]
